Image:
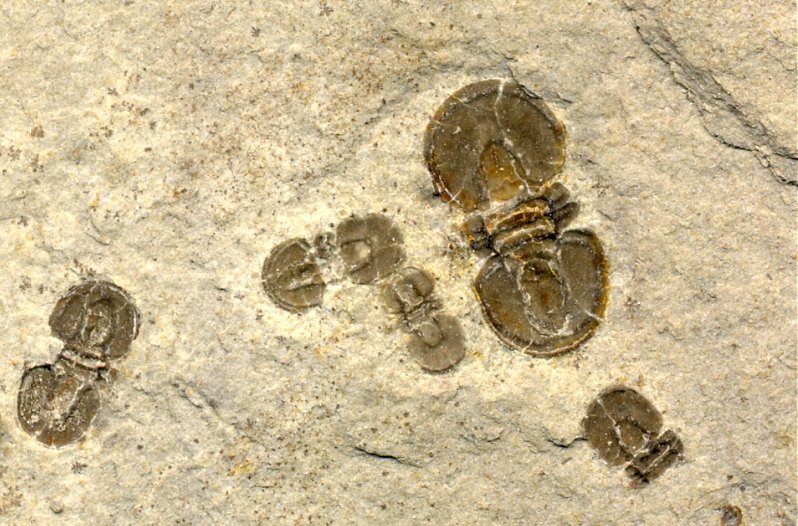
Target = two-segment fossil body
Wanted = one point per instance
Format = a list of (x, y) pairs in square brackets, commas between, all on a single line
[(97, 321), (493, 150)]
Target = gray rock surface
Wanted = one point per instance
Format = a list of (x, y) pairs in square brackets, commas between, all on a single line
[(168, 146)]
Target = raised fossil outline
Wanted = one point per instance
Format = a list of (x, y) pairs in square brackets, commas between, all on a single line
[(493, 150), (369, 248), (623, 427), (291, 276), (57, 403)]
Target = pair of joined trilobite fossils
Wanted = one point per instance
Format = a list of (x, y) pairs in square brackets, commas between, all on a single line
[(623, 427), (493, 150), (97, 321)]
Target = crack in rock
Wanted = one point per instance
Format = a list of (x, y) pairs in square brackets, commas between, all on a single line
[(722, 116), (562, 443), (383, 456)]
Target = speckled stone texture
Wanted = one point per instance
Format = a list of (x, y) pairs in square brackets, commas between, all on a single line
[(169, 146)]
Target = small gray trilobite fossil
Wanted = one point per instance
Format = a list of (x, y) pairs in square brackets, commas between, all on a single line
[(624, 428), (97, 321)]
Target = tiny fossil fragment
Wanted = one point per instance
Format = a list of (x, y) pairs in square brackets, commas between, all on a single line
[(371, 247), (437, 342), (493, 150), (623, 427), (292, 277), (97, 322), (731, 516)]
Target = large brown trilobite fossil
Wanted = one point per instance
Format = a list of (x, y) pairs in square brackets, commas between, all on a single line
[(494, 150)]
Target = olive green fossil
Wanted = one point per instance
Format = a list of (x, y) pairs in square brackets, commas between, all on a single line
[(367, 249), (619, 423), (436, 339), (97, 318), (57, 403), (547, 297), (437, 343), (371, 247)]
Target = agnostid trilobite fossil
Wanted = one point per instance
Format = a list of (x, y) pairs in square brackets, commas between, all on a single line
[(624, 428), (493, 150), (436, 338), (97, 321), (367, 249)]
